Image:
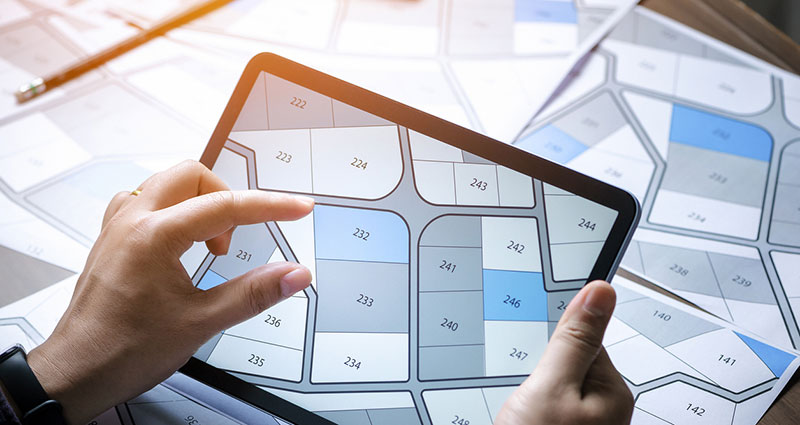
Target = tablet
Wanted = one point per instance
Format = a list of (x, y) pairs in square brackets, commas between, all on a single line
[(200, 394), (441, 259)]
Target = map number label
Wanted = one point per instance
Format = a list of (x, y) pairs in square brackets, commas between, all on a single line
[(696, 217), (513, 302), (717, 178), (516, 247), (190, 420), (244, 256), (661, 315), (273, 321), (256, 360), (697, 410), (34, 250), (728, 360), (449, 324), (721, 134), (359, 163), (284, 157), (613, 172), (586, 224), (518, 354), (741, 280), (458, 420), (479, 184), (679, 270), (299, 103), (352, 362), (553, 147), (446, 265), (361, 234), (365, 300)]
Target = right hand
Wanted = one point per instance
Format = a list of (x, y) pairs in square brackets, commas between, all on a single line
[(575, 382)]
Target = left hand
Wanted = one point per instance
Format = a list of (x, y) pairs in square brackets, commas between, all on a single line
[(135, 316)]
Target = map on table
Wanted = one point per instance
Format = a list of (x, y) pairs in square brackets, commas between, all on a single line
[(61, 171), (684, 367), (487, 65), (708, 139)]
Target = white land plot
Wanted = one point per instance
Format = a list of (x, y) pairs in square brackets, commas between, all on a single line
[(788, 267), (444, 175), (785, 223), (577, 229)]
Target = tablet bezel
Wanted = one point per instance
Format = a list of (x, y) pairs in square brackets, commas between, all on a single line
[(627, 207), (248, 393)]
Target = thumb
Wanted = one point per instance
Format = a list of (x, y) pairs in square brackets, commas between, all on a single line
[(579, 336), (253, 292)]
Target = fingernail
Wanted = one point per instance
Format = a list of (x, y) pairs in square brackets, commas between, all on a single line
[(596, 303), (305, 199), (294, 281)]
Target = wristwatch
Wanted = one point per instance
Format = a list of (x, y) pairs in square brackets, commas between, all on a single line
[(35, 406)]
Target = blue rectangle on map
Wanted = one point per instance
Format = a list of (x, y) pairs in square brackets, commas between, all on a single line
[(545, 11), (210, 280), (552, 143), (708, 131), (358, 234), (514, 295)]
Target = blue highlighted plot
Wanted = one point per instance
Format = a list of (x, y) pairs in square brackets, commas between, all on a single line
[(511, 295), (776, 360), (563, 12), (210, 280), (708, 131), (360, 235), (551, 143)]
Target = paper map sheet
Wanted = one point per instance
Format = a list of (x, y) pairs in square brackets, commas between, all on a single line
[(159, 103), (708, 139), (59, 174)]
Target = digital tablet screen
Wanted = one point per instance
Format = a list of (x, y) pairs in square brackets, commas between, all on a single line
[(433, 267)]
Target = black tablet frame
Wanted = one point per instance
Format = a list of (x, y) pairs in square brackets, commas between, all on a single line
[(248, 393), (627, 207)]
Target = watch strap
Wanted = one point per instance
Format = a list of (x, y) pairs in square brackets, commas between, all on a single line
[(25, 390)]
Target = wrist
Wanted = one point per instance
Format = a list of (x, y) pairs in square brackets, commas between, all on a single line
[(56, 384)]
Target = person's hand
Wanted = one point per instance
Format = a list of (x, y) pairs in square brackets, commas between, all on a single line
[(575, 381), (135, 316)]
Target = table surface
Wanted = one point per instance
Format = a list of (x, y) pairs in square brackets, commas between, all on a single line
[(727, 20)]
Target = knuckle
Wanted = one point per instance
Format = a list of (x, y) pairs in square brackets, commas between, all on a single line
[(187, 167), (222, 199), (191, 164), (259, 298), (582, 336), (625, 402), (140, 230)]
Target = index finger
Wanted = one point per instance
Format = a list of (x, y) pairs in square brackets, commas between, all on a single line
[(204, 217), (177, 184)]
